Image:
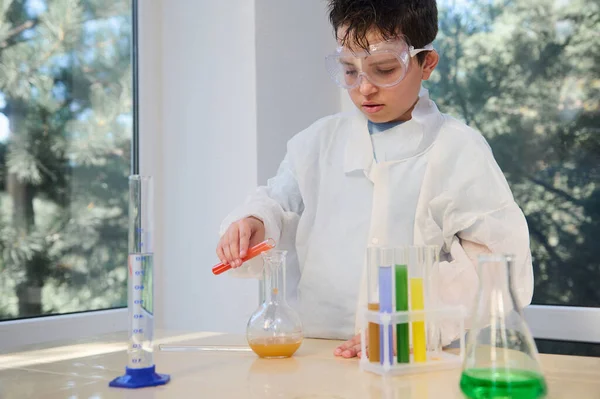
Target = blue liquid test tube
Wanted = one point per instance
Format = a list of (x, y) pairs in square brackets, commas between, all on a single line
[(140, 371), (386, 305)]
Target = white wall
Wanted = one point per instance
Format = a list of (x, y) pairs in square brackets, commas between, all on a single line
[(293, 87), (206, 154), (217, 107)]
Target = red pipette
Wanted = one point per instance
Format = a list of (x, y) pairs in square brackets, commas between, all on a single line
[(256, 250)]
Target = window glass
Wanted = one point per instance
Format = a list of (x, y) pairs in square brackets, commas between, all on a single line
[(66, 122), (525, 74)]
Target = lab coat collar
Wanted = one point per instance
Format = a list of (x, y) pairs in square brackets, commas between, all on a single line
[(359, 148)]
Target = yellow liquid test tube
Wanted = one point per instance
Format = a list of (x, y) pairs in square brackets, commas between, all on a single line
[(418, 327)]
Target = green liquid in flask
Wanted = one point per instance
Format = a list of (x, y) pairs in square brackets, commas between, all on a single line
[(497, 384)]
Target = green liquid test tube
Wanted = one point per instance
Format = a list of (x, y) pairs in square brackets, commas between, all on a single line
[(402, 337)]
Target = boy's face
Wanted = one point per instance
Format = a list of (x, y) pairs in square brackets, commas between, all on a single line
[(395, 103)]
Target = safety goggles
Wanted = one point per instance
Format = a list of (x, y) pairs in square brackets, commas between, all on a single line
[(384, 64)]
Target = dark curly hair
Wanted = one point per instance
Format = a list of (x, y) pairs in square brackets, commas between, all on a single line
[(414, 20)]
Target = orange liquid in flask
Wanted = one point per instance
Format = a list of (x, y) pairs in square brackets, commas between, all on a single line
[(275, 347), (275, 329)]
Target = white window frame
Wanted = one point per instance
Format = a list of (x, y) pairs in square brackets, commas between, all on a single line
[(15, 334), (21, 333), (564, 323)]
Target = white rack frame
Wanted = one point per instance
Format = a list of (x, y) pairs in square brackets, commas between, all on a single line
[(446, 360)]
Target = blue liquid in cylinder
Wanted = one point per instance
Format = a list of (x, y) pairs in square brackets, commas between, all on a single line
[(141, 309)]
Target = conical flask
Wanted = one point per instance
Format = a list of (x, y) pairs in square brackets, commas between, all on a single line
[(275, 329), (501, 357)]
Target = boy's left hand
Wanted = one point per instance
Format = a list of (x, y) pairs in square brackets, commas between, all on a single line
[(350, 348)]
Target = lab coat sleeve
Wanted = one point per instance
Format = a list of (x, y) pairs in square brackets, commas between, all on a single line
[(279, 205), (477, 214)]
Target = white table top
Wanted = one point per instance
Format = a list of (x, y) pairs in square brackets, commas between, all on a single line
[(83, 370)]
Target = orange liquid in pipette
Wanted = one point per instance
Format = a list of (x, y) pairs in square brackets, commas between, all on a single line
[(275, 347), (252, 252)]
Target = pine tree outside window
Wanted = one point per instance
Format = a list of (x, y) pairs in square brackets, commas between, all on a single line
[(66, 136)]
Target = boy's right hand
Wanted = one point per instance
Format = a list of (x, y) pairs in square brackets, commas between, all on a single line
[(240, 236)]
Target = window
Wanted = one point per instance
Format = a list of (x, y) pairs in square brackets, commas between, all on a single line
[(525, 74), (66, 139)]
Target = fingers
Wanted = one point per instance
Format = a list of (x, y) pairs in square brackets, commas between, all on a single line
[(224, 247), (349, 349), (351, 352), (220, 252), (257, 230), (227, 252), (235, 242), (234, 245), (245, 234), (351, 342)]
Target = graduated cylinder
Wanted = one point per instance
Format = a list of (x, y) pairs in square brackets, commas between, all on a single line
[(140, 371), (141, 271)]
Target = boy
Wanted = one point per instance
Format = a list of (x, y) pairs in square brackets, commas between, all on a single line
[(396, 173)]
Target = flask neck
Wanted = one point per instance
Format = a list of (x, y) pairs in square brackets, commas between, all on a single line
[(495, 276), (274, 277)]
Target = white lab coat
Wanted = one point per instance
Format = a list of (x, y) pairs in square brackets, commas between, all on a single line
[(435, 182)]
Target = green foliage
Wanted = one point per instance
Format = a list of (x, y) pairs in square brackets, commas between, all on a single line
[(526, 74), (65, 75)]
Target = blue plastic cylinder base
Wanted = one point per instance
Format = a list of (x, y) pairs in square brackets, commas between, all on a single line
[(140, 378)]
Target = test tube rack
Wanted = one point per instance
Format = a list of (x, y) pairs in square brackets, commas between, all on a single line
[(436, 358)]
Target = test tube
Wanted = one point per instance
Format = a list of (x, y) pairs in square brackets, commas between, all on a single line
[(254, 251), (401, 276), (373, 301), (386, 305), (416, 271), (434, 336), (140, 370)]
